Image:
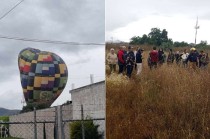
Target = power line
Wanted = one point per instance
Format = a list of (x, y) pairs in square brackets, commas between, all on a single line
[(11, 10), (48, 41)]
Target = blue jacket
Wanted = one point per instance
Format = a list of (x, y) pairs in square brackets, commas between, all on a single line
[(193, 57)]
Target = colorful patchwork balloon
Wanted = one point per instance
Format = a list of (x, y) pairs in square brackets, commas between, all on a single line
[(43, 76)]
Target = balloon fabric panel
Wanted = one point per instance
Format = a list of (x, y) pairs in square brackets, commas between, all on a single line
[(43, 75)]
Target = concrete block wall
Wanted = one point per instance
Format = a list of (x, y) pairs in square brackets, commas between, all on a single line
[(92, 97), (26, 131)]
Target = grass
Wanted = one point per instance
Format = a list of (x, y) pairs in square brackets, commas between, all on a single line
[(169, 102)]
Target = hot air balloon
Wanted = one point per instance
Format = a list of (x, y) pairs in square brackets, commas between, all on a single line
[(43, 76)]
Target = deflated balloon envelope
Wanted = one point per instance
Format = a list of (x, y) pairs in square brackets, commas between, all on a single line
[(43, 76)]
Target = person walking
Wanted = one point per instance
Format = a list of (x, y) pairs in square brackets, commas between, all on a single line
[(170, 58), (130, 59), (112, 60), (203, 60), (121, 59), (193, 58), (184, 58), (139, 60), (153, 58), (124, 57), (135, 52), (177, 57), (161, 57)]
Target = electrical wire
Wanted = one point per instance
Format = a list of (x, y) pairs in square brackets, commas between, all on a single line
[(48, 41), (11, 10)]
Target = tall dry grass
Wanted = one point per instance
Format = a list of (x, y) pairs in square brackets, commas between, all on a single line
[(169, 102)]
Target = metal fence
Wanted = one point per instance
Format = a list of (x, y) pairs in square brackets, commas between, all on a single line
[(49, 124)]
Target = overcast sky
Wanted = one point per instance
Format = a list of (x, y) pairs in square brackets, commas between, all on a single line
[(128, 18), (63, 20)]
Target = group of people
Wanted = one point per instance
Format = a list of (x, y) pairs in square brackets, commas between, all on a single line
[(129, 59)]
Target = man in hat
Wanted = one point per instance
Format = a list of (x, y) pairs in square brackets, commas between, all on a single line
[(193, 58)]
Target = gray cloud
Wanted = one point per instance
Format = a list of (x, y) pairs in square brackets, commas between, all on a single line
[(70, 21), (120, 13)]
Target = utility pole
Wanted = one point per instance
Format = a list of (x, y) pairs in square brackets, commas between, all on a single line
[(72, 86), (91, 79), (35, 124), (196, 28), (82, 122)]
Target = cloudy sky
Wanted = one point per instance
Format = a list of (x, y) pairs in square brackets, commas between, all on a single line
[(128, 18), (64, 20)]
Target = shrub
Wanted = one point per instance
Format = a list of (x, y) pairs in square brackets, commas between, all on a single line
[(91, 130)]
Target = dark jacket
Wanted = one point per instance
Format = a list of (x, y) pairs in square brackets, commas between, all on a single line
[(193, 57), (130, 58), (139, 57), (160, 55)]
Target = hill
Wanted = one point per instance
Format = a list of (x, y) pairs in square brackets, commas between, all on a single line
[(7, 112)]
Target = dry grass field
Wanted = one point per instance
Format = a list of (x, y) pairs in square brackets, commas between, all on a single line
[(169, 102)]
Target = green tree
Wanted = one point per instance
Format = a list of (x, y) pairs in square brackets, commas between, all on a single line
[(144, 39), (166, 45), (180, 44), (135, 40), (202, 44), (164, 36), (91, 130), (30, 107), (155, 36)]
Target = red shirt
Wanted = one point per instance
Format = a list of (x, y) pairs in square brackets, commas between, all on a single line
[(120, 56), (154, 56)]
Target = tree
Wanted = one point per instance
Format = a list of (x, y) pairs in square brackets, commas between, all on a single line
[(155, 36), (180, 44), (144, 39), (166, 45), (164, 36), (135, 40), (91, 130), (202, 45), (30, 107)]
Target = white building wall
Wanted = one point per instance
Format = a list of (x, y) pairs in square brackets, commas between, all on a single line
[(92, 97)]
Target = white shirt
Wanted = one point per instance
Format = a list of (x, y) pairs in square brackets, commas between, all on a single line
[(184, 56)]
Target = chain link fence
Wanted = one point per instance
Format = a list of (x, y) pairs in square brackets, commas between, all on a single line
[(52, 123)]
